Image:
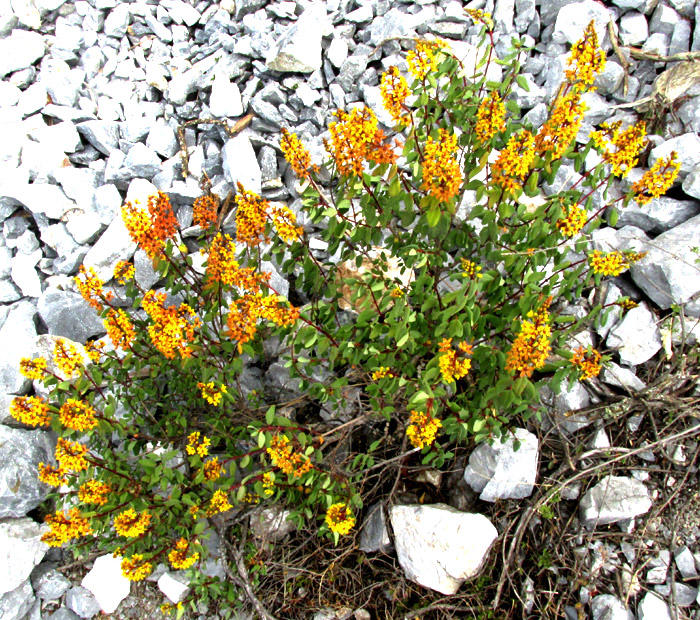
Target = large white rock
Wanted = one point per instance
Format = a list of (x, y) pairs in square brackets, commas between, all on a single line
[(572, 20), (106, 582), (21, 550), (498, 471), (240, 163), (174, 589), (299, 48), (438, 546), (20, 50), (636, 337), (613, 499), (653, 607)]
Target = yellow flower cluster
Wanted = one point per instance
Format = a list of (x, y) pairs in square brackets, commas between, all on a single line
[(296, 155), (514, 161), (90, 288), (283, 221), (282, 455), (339, 519), (32, 368), (55, 476), (628, 144), (136, 568), (573, 220), (470, 269), (532, 345), (442, 177), (149, 230), (356, 138), (218, 503), (178, 556), (244, 314), (613, 263), (657, 180), (67, 358), (588, 362), (210, 393), (30, 410), (71, 455), (204, 210), (490, 117), (124, 271), (173, 327), (626, 304), (95, 350), (94, 492), (423, 60), (586, 59), (223, 267), (397, 293), (77, 415), (64, 527), (423, 429), (395, 91), (562, 126), (268, 482), (381, 373), (212, 469), (119, 329), (480, 17), (129, 523), (453, 368), (251, 215), (195, 446)]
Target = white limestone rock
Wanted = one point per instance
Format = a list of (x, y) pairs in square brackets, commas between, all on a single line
[(240, 163), (106, 582), (20, 50), (438, 546), (614, 499), (636, 337), (21, 549), (299, 48)]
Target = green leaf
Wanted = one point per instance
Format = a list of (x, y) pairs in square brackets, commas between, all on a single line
[(270, 415), (522, 82), (433, 217)]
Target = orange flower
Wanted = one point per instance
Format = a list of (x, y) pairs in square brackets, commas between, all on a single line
[(151, 229), (532, 345), (490, 117), (442, 177), (395, 91)]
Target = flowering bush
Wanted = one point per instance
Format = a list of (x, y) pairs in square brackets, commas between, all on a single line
[(441, 298)]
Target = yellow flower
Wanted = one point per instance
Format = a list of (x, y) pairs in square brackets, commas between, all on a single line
[(296, 155), (423, 429), (251, 215), (32, 368), (423, 60), (94, 492), (283, 221), (244, 314), (339, 518), (212, 469), (268, 482), (151, 229), (67, 358), (514, 161), (470, 269), (218, 503), (395, 91), (282, 455), (610, 264), (119, 329), (442, 177), (480, 17), (136, 568), (124, 271), (587, 60), (628, 144), (71, 455), (64, 527), (178, 557), (77, 415), (210, 393), (130, 524), (90, 288), (194, 446), (561, 128), (95, 350), (573, 221), (30, 410), (451, 367), (204, 210), (173, 328), (55, 476), (490, 117), (657, 181), (532, 345), (381, 373), (588, 362)]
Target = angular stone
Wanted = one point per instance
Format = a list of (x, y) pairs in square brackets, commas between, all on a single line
[(117, 21), (499, 471), (374, 536), (20, 50), (173, 588), (613, 499), (114, 245), (41, 198), (24, 273), (636, 337), (240, 164), (103, 135), (67, 314), (271, 523), (608, 607), (82, 602), (299, 48), (665, 274), (633, 28), (394, 23), (225, 99), (658, 216), (107, 583), (337, 52), (17, 336), (142, 162), (613, 374), (16, 604), (20, 489), (21, 549), (438, 546), (48, 583), (653, 607), (573, 19), (181, 12)]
